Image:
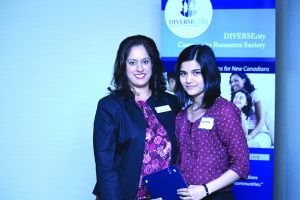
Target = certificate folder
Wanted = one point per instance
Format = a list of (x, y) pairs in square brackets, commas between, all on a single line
[(165, 183)]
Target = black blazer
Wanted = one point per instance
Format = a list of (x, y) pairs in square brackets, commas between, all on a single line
[(119, 141)]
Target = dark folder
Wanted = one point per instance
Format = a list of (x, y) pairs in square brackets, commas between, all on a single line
[(165, 183)]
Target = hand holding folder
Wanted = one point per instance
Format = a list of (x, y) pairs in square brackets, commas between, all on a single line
[(165, 183)]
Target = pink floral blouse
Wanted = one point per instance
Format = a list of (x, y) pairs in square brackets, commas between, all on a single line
[(157, 153)]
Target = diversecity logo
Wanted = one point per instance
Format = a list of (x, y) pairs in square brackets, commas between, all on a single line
[(188, 18)]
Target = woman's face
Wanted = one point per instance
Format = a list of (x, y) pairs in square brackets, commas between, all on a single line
[(240, 100), (138, 67), (236, 82), (191, 78)]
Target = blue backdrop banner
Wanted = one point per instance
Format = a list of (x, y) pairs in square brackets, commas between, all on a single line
[(242, 35)]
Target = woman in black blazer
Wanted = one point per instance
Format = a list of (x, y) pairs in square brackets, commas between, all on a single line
[(134, 125)]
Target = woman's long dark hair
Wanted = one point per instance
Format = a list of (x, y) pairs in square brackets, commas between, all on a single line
[(120, 79), (205, 56)]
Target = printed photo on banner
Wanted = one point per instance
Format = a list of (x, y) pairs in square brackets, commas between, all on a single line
[(254, 94)]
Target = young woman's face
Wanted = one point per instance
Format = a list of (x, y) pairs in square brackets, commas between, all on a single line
[(240, 100), (236, 82), (191, 78), (138, 67)]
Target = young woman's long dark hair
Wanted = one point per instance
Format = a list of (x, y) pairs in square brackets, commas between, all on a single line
[(205, 56), (120, 79)]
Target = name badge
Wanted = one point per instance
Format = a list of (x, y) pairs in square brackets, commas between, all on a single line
[(161, 109), (206, 123)]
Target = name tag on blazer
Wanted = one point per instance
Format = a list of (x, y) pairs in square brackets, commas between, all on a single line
[(161, 109), (206, 123)]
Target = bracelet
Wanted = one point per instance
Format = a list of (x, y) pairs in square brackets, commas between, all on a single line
[(206, 189)]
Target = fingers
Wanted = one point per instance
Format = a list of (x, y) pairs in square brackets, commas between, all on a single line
[(183, 191), (184, 194)]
